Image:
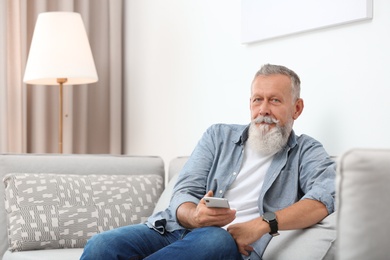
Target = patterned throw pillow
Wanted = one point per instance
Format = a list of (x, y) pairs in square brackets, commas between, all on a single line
[(47, 211)]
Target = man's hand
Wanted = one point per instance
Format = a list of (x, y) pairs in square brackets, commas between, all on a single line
[(194, 216), (248, 232)]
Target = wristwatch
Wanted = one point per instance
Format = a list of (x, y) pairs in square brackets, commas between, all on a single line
[(270, 218)]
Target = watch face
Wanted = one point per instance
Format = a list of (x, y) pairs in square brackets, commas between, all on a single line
[(269, 216)]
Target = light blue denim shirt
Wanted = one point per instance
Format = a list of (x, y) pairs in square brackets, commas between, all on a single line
[(301, 170)]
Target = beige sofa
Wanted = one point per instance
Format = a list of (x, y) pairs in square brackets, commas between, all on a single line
[(363, 182)]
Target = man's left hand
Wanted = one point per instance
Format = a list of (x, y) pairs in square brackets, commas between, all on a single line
[(248, 232)]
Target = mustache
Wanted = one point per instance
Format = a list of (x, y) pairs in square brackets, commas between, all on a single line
[(265, 119)]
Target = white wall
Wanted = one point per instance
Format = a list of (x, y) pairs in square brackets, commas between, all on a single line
[(187, 69)]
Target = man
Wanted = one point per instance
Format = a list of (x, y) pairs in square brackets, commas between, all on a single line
[(273, 179)]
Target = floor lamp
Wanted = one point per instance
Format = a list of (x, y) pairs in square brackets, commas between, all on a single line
[(59, 55)]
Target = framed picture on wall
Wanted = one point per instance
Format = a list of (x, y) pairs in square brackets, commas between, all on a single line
[(267, 19)]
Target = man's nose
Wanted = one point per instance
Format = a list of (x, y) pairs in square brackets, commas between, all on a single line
[(264, 109)]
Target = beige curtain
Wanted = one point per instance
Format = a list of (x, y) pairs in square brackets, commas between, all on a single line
[(92, 113)]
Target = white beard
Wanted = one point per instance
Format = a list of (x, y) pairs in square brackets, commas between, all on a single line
[(265, 140)]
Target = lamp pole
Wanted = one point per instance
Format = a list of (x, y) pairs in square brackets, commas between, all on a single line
[(60, 81)]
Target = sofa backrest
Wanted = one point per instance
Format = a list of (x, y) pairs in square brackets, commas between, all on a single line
[(175, 166), (75, 165)]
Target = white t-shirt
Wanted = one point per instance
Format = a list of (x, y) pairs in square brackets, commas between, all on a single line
[(244, 193)]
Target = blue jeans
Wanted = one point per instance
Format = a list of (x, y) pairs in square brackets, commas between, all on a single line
[(140, 242)]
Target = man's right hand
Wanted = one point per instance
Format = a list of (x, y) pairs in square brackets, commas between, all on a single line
[(191, 215)]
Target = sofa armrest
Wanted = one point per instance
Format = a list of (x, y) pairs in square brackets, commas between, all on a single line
[(363, 199)]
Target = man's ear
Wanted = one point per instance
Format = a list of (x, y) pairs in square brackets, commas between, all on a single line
[(298, 108)]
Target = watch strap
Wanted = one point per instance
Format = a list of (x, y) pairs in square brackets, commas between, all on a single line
[(270, 218), (274, 227)]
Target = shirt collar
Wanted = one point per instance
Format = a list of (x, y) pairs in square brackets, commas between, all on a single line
[(243, 136)]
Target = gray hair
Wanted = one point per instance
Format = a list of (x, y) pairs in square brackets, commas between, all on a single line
[(269, 69)]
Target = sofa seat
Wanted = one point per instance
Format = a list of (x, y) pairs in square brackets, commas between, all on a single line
[(48, 254)]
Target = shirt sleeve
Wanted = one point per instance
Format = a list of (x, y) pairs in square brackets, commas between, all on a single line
[(192, 182), (317, 174)]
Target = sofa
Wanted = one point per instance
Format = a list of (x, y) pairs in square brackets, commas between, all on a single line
[(51, 204)]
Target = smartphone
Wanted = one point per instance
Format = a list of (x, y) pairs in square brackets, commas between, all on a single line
[(213, 202)]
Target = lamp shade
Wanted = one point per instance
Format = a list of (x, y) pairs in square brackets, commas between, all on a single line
[(60, 49)]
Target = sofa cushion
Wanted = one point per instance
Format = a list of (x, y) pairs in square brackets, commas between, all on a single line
[(62, 211)]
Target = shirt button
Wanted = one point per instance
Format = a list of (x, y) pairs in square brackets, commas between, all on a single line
[(220, 191), (234, 173)]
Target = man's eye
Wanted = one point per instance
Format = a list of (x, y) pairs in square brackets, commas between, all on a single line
[(275, 100)]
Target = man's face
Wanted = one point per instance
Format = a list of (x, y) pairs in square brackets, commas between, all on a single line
[(272, 97)]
